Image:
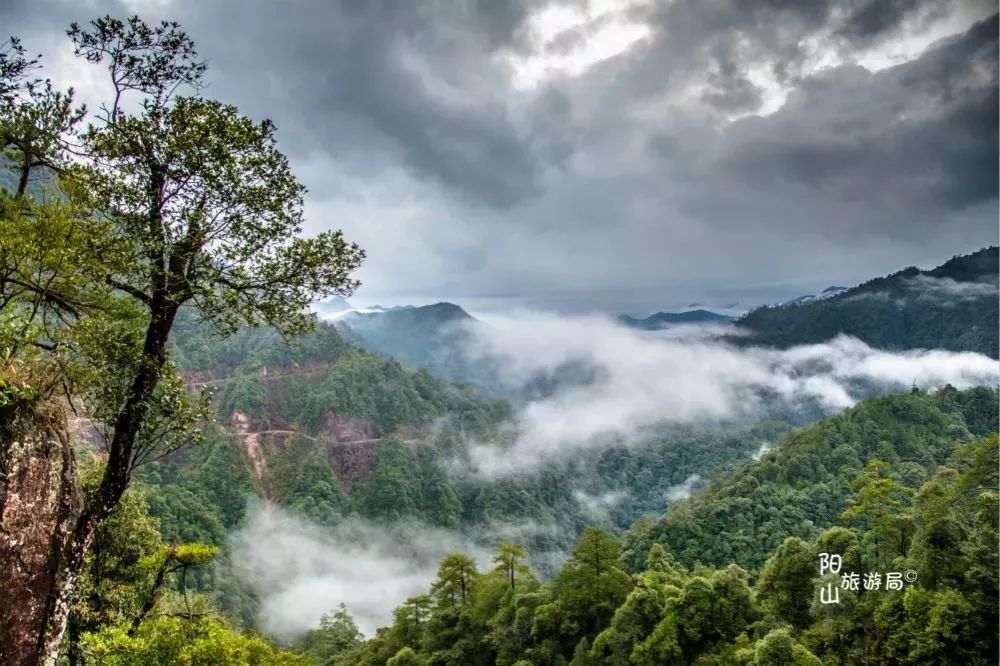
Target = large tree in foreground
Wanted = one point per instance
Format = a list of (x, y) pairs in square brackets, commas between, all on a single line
[(164, 201)]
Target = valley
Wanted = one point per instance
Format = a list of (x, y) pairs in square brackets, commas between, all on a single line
[(408, 382)]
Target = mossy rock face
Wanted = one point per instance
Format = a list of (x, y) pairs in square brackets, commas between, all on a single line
[(17, 399), (27, 423)]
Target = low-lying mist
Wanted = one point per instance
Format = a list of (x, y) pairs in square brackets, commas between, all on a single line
[(606, 385), (300, 570), (637, 379)]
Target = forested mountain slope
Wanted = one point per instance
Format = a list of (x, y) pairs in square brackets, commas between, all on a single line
[(433, 337), (901, 488), (804, 482), (954, 306), (332, 432)]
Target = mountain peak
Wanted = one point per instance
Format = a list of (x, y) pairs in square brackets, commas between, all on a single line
[(664, 319)]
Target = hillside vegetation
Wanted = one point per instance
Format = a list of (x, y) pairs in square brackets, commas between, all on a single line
[(954, 306), (902, 488), (331, 432)]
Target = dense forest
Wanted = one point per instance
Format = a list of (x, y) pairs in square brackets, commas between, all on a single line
[(331, 432), (899, 483), (953, 306), (904, 483)]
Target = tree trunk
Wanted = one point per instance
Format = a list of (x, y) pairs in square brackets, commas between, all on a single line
[(61, 600), (45, 550), (117, 473), (25, 173)]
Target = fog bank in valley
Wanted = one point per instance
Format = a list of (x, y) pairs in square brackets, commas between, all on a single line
[(633, 380)]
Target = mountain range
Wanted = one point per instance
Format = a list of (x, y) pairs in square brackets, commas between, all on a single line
[(360, 420), (953, 307), (661, 320)]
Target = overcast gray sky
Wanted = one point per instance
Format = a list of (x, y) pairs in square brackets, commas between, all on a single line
[(621, 156)]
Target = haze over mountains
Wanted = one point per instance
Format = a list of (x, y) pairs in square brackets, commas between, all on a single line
[(660, 320), (953, 306), (586, 429)]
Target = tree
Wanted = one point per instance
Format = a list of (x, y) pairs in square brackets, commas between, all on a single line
[(405, 657), (778, 648), (453, 586), (632, 622), (410, 620), (453, 634), (874, 507), (33, 131), (507, 558), (182, 202), (337, 633), (170, 560), (785, 588), (590, 586)]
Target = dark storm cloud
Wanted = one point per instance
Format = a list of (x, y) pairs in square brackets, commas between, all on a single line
[(385, 80), (407, 80), (873, 18), (923, 134), (646, 174)]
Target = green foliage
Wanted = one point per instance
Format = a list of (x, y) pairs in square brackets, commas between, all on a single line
[(804, 483), (120, 571), (785, 588), (778, 648), (336, 635), (392, 490), (590, 585), (901, 311), (593, 613), (166, 641), (454, 584)]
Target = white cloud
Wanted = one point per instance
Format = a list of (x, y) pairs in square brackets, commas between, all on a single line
[(761, 450), (683, 490), (602, 31), (598, 507), (945, 289), (638, 380), (300, 570)]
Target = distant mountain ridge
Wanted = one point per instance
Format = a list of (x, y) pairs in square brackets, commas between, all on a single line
[(663, 319), (829, 292), (953, 307), (429, 336)]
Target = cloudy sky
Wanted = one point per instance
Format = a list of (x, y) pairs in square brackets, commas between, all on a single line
[(625, 155)]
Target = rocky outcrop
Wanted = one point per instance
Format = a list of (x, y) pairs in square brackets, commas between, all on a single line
[(350, 445), (344, 429), (40, 504), (352, 449), (351, 461)]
